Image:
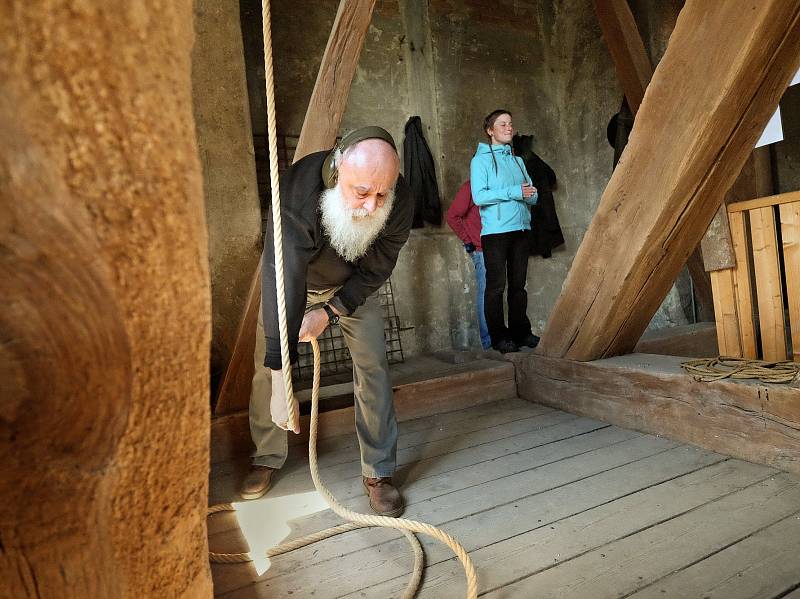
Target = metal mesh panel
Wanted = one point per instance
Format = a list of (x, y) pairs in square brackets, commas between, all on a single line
[(334, 355)]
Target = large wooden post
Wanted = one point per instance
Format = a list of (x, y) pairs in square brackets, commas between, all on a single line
[(710, 97), (321, 124), (105, 328)]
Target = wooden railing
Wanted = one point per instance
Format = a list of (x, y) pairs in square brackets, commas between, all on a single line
[(754, 300)]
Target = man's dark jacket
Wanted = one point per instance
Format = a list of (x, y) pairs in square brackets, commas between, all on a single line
[(309, 261)]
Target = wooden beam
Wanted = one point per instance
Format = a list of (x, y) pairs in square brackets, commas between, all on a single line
[(701, 284), (753, 421), (106, 319), (634, 71), (626, 47), (698, 340), (699, 120), (320, 127), (329, 98), (776, 200)]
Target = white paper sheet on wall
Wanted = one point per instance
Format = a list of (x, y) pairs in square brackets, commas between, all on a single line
[(773, 132)]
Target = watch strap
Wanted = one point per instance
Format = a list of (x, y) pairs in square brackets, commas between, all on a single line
[(333, 318)]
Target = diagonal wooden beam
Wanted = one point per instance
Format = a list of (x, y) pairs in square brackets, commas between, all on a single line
[(708, 101), (634, 71), (626, 48), (321, 124)]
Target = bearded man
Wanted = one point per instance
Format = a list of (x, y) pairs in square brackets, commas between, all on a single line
[(346, 214)]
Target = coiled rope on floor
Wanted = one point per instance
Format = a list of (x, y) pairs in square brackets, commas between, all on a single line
[(357, 520), (715, 369)]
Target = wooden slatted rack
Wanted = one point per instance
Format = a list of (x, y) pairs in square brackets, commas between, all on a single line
[(757, 303)]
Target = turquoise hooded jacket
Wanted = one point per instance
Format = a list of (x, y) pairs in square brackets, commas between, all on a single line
[(498, 193)]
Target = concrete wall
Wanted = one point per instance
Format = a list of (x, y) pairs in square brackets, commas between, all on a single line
[(224, 137), (453, 61)]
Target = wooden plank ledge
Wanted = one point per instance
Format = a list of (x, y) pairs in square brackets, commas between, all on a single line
[(749, 420)]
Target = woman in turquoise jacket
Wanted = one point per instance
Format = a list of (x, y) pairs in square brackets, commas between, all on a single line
[(502, 189)]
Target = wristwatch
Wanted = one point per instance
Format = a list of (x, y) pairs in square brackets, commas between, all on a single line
[(333, 317)]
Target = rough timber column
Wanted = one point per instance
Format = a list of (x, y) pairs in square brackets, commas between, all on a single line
[(104, 334), (708, 101)]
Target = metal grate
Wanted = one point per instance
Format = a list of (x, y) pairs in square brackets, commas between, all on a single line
[(335, 357)]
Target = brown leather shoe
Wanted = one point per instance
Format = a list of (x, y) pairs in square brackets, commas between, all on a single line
[(384, 498), (257, 482)]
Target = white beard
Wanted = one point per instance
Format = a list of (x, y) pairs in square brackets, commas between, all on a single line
[(351, 230)]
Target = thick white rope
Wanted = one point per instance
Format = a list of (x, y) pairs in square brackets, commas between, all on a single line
[(357, 520), (272, 134)]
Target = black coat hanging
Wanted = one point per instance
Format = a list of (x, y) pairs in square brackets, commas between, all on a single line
[(420, 174)]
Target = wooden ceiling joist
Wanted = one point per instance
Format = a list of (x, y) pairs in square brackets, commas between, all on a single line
[(709, 99), (626, 47), (321, 124)]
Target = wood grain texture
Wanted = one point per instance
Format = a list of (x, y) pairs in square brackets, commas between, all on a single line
[(761, 202), (743, 287), (790, 232), (105, 331), (726, 314), (755, 422), (769, 290), (320, 127), (332, 87), (658, 203)]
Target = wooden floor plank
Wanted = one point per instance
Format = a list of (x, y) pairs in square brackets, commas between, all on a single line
[(344, 448), (763, 565), (499, 510), (431, 486), (554, 542), (621, 567), (295, 478), (548, 504)]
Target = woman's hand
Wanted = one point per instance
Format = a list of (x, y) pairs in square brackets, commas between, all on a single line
[(528, 190)]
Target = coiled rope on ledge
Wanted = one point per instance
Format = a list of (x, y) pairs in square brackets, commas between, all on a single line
[(715, 369), (357, 520)]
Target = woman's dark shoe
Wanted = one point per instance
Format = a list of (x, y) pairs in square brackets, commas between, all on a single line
[(505, 346), (529, 341)]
